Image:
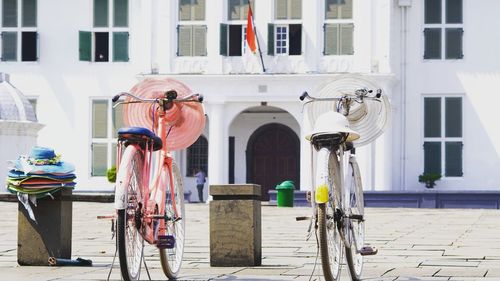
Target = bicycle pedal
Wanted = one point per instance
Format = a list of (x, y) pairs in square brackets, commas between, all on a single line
[(368, 251), (303, 218), (165, 242)]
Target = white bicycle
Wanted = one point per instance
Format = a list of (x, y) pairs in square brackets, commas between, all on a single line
[(337, 194)]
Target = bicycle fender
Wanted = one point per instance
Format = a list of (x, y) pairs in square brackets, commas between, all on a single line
[(321, 194), (123, 179)]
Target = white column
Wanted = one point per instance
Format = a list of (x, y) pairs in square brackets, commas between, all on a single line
[(217, 145)]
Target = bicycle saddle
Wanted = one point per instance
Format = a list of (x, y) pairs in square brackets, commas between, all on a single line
[(137, 134)]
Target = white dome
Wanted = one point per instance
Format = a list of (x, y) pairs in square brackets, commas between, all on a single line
[(14, 106)]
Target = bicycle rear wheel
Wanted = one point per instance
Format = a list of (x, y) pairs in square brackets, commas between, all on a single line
[(355, 231), (129, 239), (330, 242), (171, 259)]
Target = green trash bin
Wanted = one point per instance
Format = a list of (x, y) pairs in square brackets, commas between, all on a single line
[(285, 194)]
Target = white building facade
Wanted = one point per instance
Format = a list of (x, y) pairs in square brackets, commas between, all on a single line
[(430, 57)]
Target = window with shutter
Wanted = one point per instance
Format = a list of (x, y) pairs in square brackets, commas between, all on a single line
[(443, 142), (338, 28), (443, 29), (108, 39), (106, 121), (19, 40)]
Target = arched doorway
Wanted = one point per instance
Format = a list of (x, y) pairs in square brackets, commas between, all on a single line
[(273, 156)]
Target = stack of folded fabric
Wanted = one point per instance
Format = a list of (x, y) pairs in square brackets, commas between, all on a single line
[(40, 174)]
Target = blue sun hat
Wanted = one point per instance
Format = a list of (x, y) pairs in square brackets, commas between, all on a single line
[(43, 160)]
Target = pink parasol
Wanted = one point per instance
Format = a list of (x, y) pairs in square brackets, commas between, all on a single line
[(186, 120)]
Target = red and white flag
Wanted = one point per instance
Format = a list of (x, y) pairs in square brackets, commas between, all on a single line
[(251, 31)]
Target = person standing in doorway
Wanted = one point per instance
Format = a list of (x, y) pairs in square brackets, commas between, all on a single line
[(200, 183)]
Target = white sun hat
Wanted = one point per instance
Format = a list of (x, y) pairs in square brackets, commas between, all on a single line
[(368, 119)]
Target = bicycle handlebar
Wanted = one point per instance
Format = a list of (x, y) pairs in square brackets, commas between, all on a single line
[(170, 96), (359, 96)]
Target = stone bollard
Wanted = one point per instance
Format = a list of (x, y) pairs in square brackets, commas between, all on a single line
[(235, 225), (50, 236)]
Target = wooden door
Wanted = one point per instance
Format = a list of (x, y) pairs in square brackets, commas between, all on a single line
[(273, 156)]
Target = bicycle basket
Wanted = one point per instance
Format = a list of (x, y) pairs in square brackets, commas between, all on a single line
[(369, 118), (188, 126)]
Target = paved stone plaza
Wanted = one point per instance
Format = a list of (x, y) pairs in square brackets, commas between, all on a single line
[(414, 244)]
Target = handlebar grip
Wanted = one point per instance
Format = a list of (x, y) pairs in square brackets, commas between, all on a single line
[(303, 96), (115, 98)]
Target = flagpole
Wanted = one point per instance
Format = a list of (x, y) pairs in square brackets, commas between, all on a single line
[(258, 46), (257, 38)]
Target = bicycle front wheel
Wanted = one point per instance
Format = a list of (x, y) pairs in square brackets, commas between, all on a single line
[(330, 242), (129, 239), (355, 228), (171, 258)]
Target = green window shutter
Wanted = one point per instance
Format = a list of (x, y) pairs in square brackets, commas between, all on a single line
[(99, 119), (120, 46), (432, 117), (454, 11), (280, 9), (101, 13), (432, 12), (453, 117), (9, 46), (199, 40), (29, 13), (184, 9), (85, 48), (29, 46), (454, 43), (296, 9), (331, 39), (120, 13), (99, 159), (432, 43), (199, 10), (346, 10), (184, 36), (9, 13), (223, 39), (453, 159), (270, 39), (346, 39), (432, 157)]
